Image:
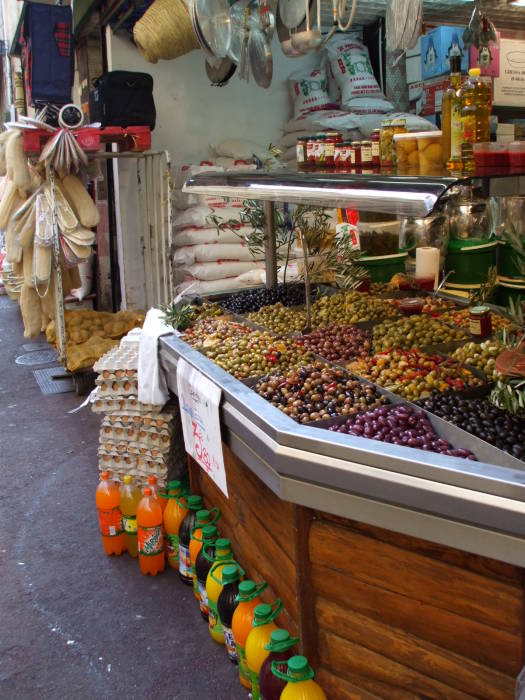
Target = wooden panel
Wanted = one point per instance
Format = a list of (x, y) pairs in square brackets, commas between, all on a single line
[(414, 653), (370, 670), (338, 689), (473, 562), (420, 578), (494, 648), (306, 622)]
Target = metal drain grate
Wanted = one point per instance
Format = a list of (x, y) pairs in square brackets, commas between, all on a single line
[(39, 357), (53, 380)]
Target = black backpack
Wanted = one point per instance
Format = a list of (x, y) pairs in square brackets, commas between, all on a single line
[(123, 98)]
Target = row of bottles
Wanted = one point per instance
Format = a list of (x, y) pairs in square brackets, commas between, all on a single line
[(466, 108), (159, 527)]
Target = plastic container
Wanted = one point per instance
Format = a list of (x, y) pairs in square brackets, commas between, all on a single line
[(430, 150), (491, 155), (107, 498), (187, 525), (129, 500), (508, 261), (470, 261), (204, 517), (411, 306), (405, 152), (248, 599), (379, 238), (204, 562), (226, 605), (510, 290), (150, 538), (259, 637), (173, 515), (383, 267), (300, 681), (475, 116), (223, 557), (281, 648), (517, 154)]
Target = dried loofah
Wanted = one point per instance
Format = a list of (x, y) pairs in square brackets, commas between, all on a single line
[(42, 262), (31, 312), (16, 162), (9, 204), (26, 228), (13, 247), (27, 261), (80, 200)]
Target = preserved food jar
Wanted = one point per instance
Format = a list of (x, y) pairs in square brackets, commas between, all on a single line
[(356, 147), (480, 321), (376, 160), (302, 157), (310, 152), (366, 153), (331, 139), (319, 151)]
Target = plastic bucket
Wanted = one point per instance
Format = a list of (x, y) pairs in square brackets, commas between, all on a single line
[(508, 261), (382, 268), (472, 263)]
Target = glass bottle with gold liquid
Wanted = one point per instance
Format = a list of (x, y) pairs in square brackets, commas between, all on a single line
[(451, 123), (475, 115)]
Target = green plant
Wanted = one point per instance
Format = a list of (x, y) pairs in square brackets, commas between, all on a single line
[(509, 394), (486, 290), (516, 242), (177, 315)]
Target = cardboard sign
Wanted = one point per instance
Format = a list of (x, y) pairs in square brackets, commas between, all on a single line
[(199, 400), (489, 60), (509, 88)]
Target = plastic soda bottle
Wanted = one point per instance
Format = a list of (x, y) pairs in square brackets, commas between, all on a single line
[(107, 498), (259, 637), (203, 565), (281, 648), (187, 525), (129, 500), (174, 514), (248, 599), (300, 684), (204, 517), (150, 539), (152, 483), (226, 604), (223, 557)]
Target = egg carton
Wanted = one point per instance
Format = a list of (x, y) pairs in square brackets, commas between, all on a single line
[(118, 431), (114, 462), (118, 374), (122, 357), (118, 472), (117, 387), (125, 404)]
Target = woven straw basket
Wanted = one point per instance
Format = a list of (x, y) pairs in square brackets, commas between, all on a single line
[(165, 31)]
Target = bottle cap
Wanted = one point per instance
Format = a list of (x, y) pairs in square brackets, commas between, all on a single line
[(262, 612), (127, 479), (279, 636), (209, 532), (475, 72), (202, 517), (230, 574), (298, 664), (223, 543), (104, 476), (147, 491), (152, 480), (174, 485), (194, 502), (246, 588)]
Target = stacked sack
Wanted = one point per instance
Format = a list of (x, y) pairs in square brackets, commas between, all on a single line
[(341, 95), (207, 258), (135, 438)]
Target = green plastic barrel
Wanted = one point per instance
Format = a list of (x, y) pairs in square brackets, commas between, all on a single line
[(382, 268), (508, 261), (470, 261)]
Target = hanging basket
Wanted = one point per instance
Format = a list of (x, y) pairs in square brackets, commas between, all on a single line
[(165, 31)]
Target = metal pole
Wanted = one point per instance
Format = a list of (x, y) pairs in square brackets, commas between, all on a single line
[(270, 252)]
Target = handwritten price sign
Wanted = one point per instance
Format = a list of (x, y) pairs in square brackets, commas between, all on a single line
[(199, 400)]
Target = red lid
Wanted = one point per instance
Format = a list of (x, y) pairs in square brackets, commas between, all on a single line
[(104, 476), (147, 491), (152, 480)]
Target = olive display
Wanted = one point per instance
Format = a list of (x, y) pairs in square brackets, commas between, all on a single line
[(399, 425), (414, 374), (255, 299), (351, 307), (481, 355), (413, 331), (477, 416), (318, 391), (461, 317), (338, 343), (279, 319), (382, 288), (208, 332), (257, 353), (207, 310)]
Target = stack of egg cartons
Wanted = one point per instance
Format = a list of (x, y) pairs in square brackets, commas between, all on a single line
[(208, 259), (135, 438)]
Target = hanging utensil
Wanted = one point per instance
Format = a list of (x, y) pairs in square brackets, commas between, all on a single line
[(308, 39), (210, 57), (261, 60), (213, 17), (284, 35), (292, 12), (244, 69), (219, 76)]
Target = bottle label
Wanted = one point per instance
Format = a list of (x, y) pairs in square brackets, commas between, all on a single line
[(366, 154), (475, 326), (321, 152), (150, 540), (329, 150), (110, 522), (129, 523), (300, 153), (351, 152), (184, 561), (244, 672), (203, 597), (195, 582), (172, 547), (375, 149), (456, 131), (310, 150), (254, 678), (230, 644), (213, 618)]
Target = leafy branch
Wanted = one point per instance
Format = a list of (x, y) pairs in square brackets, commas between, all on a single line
[(178, 315), (484, 293)]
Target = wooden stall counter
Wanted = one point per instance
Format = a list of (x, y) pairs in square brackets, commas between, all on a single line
[(380, 615)]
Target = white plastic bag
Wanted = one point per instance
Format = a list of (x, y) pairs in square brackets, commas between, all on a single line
[(239, 149), (309, 92), (350, 64), (219, 270), (214, 252), (200, 216), (197, 236)]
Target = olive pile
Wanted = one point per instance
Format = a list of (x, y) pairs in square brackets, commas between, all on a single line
[(461, 317), (209, 332), (254, 299), (481, 355), (382, 288), (477, 416), (256, 354), (399, 425), (279, 319), (414, 331), (207, 310), (338, 343), (351, 307), (316, 392), (414, 374)]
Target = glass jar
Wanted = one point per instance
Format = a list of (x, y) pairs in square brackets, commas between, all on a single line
[(340, 155), (302, 157), (366, 153), (480, 321), (374, 137), (331, 139), (356, 147), (385, 143), (319, 151), (310, 152)]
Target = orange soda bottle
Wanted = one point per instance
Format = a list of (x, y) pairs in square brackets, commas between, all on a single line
[(109, 516), (259, 637), (129, 499), (204, 517), (150, 539), (242, 622), (174, 514), (152, 483), (300, 680)]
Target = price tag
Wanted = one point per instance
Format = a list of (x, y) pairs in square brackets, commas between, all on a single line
[(199, 400)]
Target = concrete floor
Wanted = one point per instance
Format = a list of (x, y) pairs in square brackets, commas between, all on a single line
[(74, 623)]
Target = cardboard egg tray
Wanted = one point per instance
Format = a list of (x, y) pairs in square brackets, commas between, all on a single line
[(128, 405), (117, 431), (118, 388), (123, 357)]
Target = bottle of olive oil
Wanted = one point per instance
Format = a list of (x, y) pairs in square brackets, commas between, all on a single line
[(451, 123)]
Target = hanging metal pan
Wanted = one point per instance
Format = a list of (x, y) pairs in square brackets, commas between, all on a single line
[(284, 36), (261, 60), (221, 75), (213, 17), (210, 57), (292, 12)]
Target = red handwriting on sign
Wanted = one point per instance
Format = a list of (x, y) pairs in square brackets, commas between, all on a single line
[(200, 450)]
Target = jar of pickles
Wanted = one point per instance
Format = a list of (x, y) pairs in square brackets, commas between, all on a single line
[(302, 157), (385, 143)]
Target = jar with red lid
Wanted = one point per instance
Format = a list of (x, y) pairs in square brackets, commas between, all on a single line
[(356, 146), (302, 158), (331, 139), (319, 151), (374, 137), (310, 152), (480, 321), (366, 153)]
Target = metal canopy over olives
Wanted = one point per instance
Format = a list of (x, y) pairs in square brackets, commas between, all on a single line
[(318, 391), (338, 343), (414, 331), (279, 318)]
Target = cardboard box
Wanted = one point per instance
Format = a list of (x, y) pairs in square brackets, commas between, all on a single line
[(433, 95), (437, 46), (415, 91), (415, 51), (413, 69), (509, 87), (492, 68)]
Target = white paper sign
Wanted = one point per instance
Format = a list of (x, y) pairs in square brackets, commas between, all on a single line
[(199, 400), (509, 88)]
